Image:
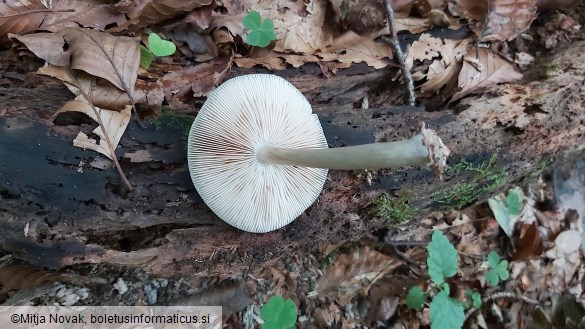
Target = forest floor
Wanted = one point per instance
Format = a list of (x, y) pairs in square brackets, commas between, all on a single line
[(519, 254)]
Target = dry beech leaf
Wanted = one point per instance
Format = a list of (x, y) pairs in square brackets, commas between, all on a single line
[(148, 12), (21, 16), (114, 122), (196, 80), (506, 19), (14, 277), (86, 13), (104, 94), (446, 55), (103, 55), (353, 48), (354, 273), (482, 69)]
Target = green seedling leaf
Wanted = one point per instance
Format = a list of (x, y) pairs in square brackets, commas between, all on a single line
[(498, 269), (278, 313), (442, 260), (146, 57), (514, 202), (160, 47), (476, 299), (416, 298), (501, 214), (261, 31), (472, 298), (446, 312)]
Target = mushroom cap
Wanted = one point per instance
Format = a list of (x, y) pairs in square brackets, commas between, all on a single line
[(238, 117)]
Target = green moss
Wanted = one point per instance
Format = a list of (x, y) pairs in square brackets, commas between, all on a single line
[(397, 209), (171, 119), (486, 177), (542, 165)]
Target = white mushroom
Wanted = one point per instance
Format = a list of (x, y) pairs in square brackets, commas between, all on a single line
[(258, 156)]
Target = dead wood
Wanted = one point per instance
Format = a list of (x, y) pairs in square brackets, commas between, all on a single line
[(59, 208)]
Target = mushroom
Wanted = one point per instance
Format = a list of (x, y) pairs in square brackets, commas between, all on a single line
[(258, 156)]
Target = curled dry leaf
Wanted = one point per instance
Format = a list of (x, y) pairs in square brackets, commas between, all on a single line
[(446, 55), (482, 69), (354, 273), (100, 54), (115, 124)]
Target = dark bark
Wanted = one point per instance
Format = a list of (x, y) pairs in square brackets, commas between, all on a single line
[(77, 213)]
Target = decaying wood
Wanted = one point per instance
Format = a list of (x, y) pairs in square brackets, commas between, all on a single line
[(60, 207)]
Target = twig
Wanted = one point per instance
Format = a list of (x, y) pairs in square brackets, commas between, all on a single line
[(501, 295), (400, 56), (105, 132)]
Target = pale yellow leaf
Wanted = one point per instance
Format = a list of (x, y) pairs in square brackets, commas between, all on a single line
[(115, 124), (482, 69)]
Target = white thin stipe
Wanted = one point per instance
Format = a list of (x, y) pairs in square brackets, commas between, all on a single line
[(241, 115)]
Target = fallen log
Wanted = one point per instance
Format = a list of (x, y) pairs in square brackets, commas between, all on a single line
[(60, 205)]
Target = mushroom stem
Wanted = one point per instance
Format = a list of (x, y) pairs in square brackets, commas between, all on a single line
[(423, 149), (409, 152)]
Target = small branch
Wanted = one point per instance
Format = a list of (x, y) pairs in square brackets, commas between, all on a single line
[(399, 55), (105, 132)]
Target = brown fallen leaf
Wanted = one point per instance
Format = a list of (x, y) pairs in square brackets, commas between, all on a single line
[(94, 14), (482, 69), (21, 16), (446, 55), (354, 273), (529, 243), (143, 13), (232, 297), (21, 276), (104, 94), (353, 48), (506, 19), (103, 55), (196, 80), (114, 123)]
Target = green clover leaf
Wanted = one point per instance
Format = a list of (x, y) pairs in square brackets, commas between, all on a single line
[(261, 31), (498, 269), (278, 313)]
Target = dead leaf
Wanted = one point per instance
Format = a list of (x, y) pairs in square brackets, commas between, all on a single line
[(353, 48), (354, 273), (232, 297), (104, 94), (143, 13), (529, 242), (506, 19), (14, 277), (446, 55), (482, 69), (85, 13), (470, 9), (196, 80), (115, 124), (21, 16), (100, 54)]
